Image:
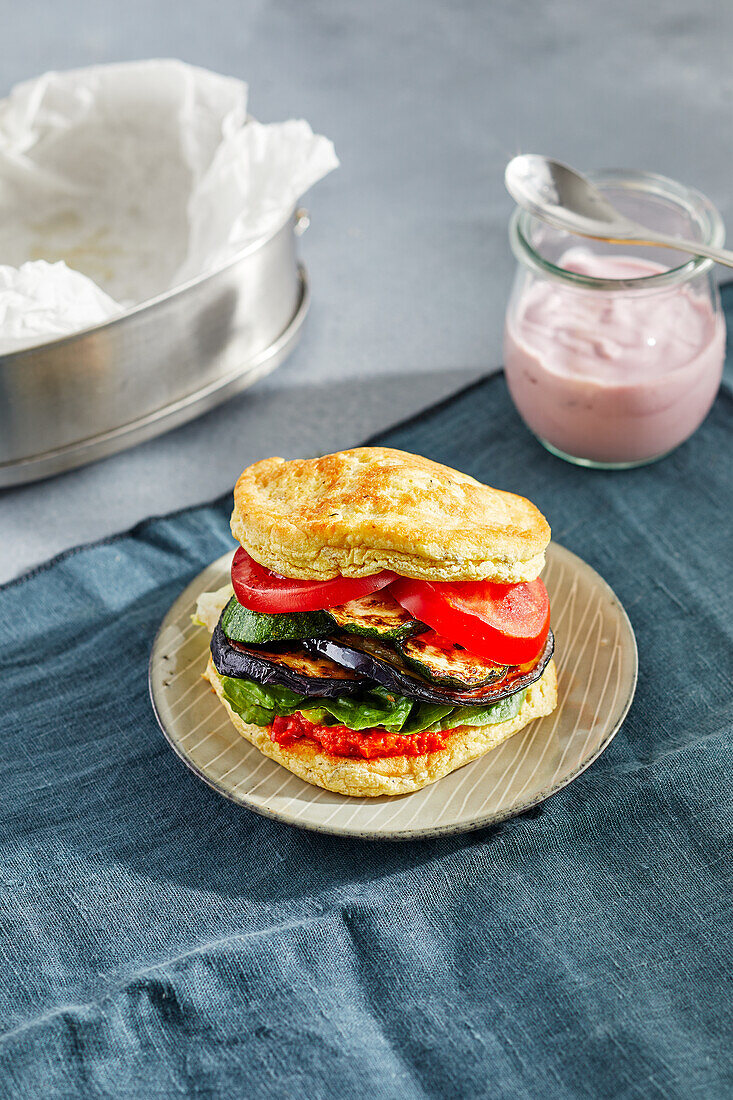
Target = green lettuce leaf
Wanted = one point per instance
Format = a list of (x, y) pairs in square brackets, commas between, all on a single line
[(378, 707), (259, 704), (502, 711), (426, 716)]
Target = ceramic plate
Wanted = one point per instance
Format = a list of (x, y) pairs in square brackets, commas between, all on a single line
[(596, 661)]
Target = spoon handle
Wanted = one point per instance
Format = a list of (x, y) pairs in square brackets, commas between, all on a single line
[(696, 248)]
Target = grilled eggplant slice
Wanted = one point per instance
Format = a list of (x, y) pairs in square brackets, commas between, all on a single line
[(448, 664), (376, 616), (388, 668), (304, 672)]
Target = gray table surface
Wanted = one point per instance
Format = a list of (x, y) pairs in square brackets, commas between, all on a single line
[(408, 256)]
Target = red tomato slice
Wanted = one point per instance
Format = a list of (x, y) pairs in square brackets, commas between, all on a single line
[(260, 590), (506, 623)]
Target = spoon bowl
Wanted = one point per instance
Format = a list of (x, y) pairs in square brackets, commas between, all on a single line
[(565, 199)]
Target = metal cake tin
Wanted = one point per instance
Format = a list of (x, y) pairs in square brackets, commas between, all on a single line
[(81, 397)]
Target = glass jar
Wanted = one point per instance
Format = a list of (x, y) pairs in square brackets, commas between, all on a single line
[(614, 353)]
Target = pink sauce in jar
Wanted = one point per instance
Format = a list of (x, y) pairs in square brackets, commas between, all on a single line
[(613, 377)]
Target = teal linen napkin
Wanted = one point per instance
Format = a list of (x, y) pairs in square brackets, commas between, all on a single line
[(157, 940)]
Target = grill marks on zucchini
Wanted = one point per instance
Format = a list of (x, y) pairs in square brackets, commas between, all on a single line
[(376, 616), (448, 664)]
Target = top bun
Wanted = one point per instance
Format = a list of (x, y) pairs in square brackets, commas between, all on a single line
[(357, 512)]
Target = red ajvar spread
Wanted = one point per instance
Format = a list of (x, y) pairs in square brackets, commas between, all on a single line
[(341, 741)]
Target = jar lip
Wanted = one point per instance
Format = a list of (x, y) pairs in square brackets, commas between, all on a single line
[(688, 198)]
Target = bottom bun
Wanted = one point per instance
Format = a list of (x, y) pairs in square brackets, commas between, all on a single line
[(392, 774)]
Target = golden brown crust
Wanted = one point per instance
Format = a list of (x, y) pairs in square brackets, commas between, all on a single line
[(356, 512), (394, 774)]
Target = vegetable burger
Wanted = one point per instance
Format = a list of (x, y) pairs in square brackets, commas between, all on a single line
[(387, 623)]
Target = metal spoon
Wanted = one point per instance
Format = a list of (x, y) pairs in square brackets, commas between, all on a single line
[(567, 200)]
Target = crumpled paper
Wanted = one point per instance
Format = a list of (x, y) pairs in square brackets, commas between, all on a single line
[(120, 182), (40, 301)]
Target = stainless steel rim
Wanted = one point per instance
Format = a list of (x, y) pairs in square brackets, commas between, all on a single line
[(48, 463)]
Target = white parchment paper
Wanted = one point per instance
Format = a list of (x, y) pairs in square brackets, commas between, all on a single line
[(120, 182)]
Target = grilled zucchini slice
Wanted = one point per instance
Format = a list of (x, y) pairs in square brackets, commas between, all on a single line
[(376, 616), (256, 628), (444, 662)]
